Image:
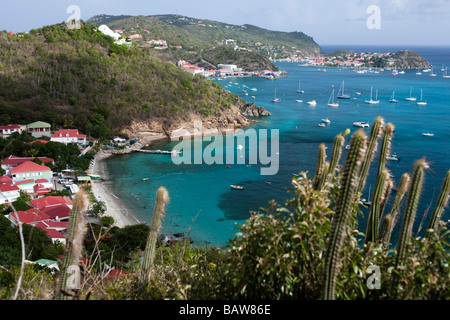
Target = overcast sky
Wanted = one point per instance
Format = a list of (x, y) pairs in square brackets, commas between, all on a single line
[(401, 22)]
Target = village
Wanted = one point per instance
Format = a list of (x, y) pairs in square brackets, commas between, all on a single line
[(32, 178)]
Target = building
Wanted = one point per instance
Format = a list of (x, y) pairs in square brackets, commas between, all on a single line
[(31, 216), (30, 170), (69, 136), (8, 130), (39, 129), (13, 161), (8, 193), (51, 202)]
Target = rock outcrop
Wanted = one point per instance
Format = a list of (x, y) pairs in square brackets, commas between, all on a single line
[(157, 129), (410, 60), (252, 110)]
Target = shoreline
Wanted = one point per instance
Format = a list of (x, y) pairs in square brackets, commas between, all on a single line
[(101, 189)]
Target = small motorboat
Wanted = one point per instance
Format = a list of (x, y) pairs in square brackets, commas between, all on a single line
[(393, 157), (321, 125), (428, 134), (326, 120), (145, 179), (361, 124), (235, 187), (312, 102)]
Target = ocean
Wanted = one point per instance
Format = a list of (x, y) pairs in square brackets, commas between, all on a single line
[(203, 205)]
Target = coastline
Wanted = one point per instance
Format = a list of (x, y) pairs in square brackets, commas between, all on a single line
[(102, 191)]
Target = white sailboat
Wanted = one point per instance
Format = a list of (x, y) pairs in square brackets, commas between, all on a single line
[(275, 99), (300, 90), (445, 74), (331, 102), (371, 101), (411, 98), (421, 102), (432, 73), (341, 94), (393, 100)]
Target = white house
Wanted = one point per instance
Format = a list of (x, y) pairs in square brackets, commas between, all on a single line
[(6, 131), (8, 193), (69, 136)]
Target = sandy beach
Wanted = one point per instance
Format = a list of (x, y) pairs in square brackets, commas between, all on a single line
[(114, 207)]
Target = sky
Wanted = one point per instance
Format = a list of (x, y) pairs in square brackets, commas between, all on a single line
[(329, 22)]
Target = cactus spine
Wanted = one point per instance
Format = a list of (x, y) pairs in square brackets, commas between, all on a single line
[(391, 218), (440, 205), (410, 210), (162, 197), (70, 272), (343, 210)]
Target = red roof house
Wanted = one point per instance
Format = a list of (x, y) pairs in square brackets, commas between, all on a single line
[(51, 202), (13, 161), (58, 213), (30, 216), (69, 136), (30, 170)]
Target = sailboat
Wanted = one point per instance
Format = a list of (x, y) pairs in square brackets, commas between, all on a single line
[(275, 99), (367, 202), (371, 101), (421, 102), (445, 74), (331, 102), (299, 90), (432, 73), (393, 100), (411, 98), (418, 72), (342, 95)]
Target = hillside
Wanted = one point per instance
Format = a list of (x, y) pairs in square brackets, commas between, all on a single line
[(80, 78), (194, 36)]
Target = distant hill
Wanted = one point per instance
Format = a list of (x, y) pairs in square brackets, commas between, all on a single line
[(82, 79), (196, 36)]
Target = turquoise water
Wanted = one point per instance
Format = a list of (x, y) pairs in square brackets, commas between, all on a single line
[(202, 202)]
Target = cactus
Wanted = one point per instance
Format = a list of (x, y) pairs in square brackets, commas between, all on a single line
[(70, 273), (410, 210), (391, 218), (375, 134), (337, 152), (162, 197), (440, 205), (343, 209), (320, 166), (385, 146), (375, 209)]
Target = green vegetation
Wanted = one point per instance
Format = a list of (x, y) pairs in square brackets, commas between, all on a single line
[(309, 248), (198, 35), (81, 79), (63, 155)]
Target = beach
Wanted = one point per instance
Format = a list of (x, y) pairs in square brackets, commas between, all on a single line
[(100, 188)]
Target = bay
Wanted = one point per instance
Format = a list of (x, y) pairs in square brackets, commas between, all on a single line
[(203, 204)]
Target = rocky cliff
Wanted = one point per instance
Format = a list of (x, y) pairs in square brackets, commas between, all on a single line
[(156, 128), (410, 60)]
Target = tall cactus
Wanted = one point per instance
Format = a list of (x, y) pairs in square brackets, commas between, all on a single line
[(375, 133), (70, 272), (440, 205), (415, 189), (376, 207), (343, 209), (162, 197), (320, 167), (337, 152), (391, 218)]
